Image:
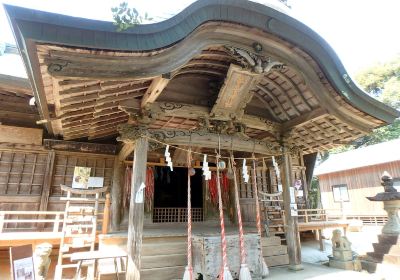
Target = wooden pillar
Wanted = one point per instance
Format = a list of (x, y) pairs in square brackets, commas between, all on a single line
[(292, 233), (48, 178), (116, 194), (136, 210), (117, 185), (305, 181)]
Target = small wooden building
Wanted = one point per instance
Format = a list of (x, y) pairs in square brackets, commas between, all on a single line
[(238, 75), (354, 175)]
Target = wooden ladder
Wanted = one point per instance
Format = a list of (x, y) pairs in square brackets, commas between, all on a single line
[(79, 228), (271, 207)]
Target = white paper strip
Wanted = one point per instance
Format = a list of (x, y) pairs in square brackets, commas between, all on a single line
[(139, 198)]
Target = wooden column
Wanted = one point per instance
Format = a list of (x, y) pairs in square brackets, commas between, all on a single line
[(116, 194), (305, 181), (136, 210), (48, 177), (292, 233), (117, 185)]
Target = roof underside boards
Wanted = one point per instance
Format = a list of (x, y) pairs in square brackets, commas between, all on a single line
[(217, 61), (362, 157), (15, 94)]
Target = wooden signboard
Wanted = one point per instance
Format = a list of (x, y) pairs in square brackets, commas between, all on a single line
[(21, 261)]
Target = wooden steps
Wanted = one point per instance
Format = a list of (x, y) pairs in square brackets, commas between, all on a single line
[(274, 253), (163, 258)]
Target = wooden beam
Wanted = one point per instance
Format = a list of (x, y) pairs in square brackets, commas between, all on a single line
[(126, 150), (20, 135), (48, 176), (190, 111), (234, 94), (304, 118), (72, 146), (155, 89), (201, 138), (136, 210), (291, 229)]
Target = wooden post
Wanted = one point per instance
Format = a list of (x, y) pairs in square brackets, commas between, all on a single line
[(136, 210), (1, 221), (117, 185), (56, 224), (305, 182), (48, 177), (106, 215), (291, 230), (116, 194)]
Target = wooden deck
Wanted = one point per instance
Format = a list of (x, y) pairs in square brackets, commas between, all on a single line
[(164, 248)]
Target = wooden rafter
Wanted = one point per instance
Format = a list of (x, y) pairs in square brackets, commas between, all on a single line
[(284, 93), (288, 80), (155, 89), (275, 100), (304, 118)]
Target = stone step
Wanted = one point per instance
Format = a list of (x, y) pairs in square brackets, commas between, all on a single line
[(386, 258), (389, 239), (156, 249), (384, 270), (277, 260), (164, 273), (386, 248), (163, 261), (275, 250), (270, 241)]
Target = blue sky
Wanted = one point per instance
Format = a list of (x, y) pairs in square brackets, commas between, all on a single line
[(360, 31)]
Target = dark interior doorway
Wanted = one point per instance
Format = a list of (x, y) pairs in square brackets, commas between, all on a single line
[(170, 187)]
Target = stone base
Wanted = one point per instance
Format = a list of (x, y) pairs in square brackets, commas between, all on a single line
[(346, 255), (347, 265), (385, 270), (296, 267)]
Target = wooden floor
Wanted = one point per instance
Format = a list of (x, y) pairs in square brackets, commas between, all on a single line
[(164, 245)]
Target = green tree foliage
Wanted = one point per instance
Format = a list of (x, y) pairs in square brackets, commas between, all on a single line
[(125, 17), (382, 81)]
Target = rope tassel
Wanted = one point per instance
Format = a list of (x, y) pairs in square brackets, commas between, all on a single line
[(188, 275), (265, 270), (244, 273), (226, 275)]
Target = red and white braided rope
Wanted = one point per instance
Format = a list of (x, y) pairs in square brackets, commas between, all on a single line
[(239, 215), (189, 221), (255, 190), (221, 218)]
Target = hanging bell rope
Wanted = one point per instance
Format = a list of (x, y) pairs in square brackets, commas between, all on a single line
[(265, 270), (188, 275), (226, 274), (244, 273)]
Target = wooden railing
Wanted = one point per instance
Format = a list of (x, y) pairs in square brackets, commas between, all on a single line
[(35, 219), (45, 221), (312, 215), (368, 220)]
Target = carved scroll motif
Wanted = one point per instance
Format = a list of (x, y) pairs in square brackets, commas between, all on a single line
[(254, 62)]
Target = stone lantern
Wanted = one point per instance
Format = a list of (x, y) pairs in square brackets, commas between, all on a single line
[(387, 251)]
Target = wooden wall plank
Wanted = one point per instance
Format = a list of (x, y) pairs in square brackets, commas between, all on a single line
[(20, 135)]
